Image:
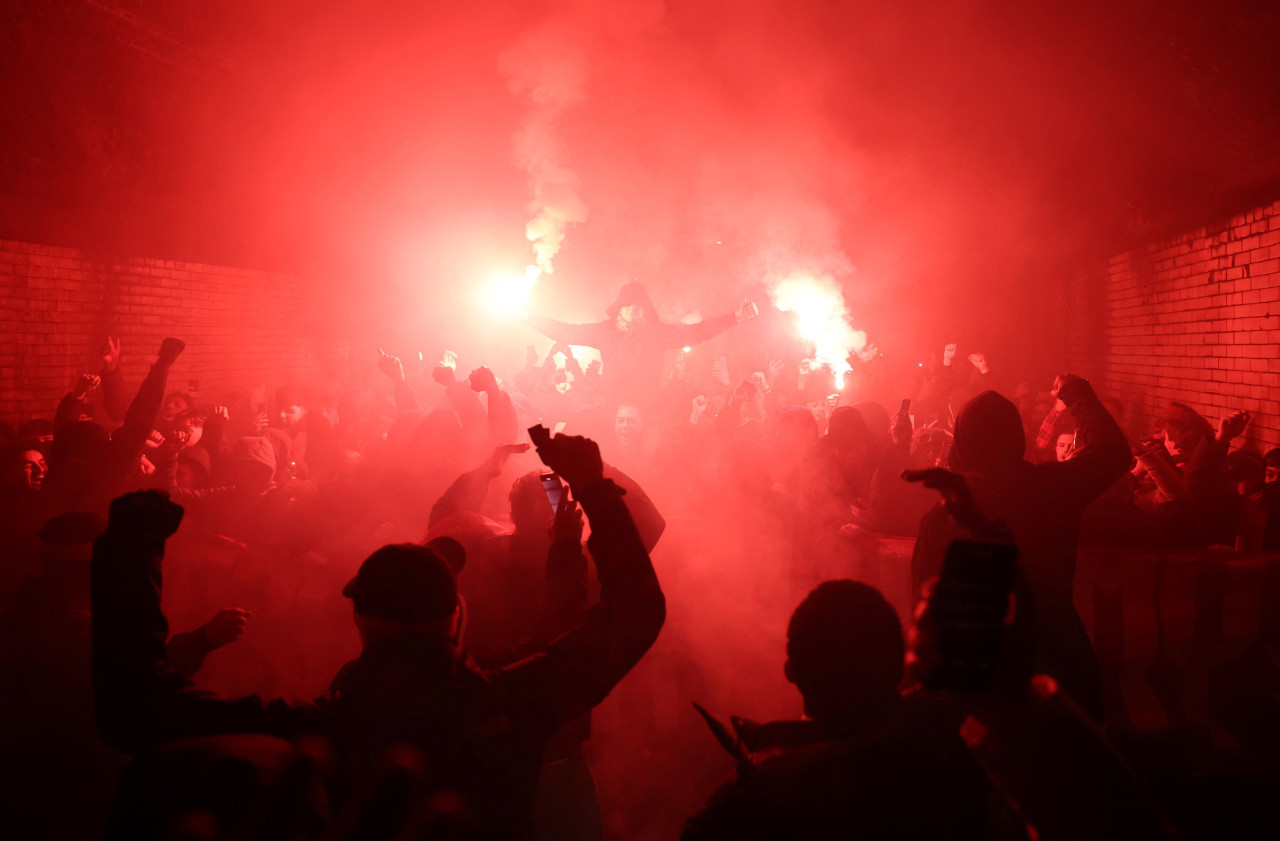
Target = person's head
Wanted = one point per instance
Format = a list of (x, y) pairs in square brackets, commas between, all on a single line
[(989, 437), (1271, 466), (632, 309), (27, 468), (628, 425), (188, 428), (404, 588), (252, 464), (66, 542), (1244, 472), (1184, 429), (847, 432), (39, 432), (193, 470), (844, 648), (290, 405), (530, 510), (1065, 445), (174, 405)]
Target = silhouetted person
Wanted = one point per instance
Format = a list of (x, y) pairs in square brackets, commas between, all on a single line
[(633, 341), (482, 732), (861, 763), (1041, 504)]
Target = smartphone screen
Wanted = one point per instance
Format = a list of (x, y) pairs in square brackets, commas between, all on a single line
[(553, 488), (970, 603)]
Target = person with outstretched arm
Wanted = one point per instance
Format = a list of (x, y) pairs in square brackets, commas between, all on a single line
[(632, 341), (482, 732)]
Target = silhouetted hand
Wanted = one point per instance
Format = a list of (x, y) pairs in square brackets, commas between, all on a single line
[(948, 353), (958, 500), (482, 379), (1232, 426), (567, 522), (746, 310), (700, 403), (444, 375), (170, 349), (226, 626), (144, 513), (84, 385), (110, 351), (776, 367), (220, 414), (498, 458), (575, 458), (979, 361), (390, 366)]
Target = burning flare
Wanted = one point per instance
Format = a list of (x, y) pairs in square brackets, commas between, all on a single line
[(822, 318)]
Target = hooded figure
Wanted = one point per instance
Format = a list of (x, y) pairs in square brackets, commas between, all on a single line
[(1042, 506), (633, 341)]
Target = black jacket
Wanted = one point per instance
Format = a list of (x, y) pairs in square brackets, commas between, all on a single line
[(482, 732)]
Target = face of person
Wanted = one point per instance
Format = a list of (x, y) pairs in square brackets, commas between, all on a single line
[(172, 407), (1066, 443), (31, 463), (630, 317), (1271, 474), (291, 416), (189, 432), (628, 425)]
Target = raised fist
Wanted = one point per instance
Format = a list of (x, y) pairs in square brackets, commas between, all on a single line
[(948, 353), (110, 351), (700, 403), (1232, 426), (444, 375), (979, 361), (170, 349), (747, 310), (86, 384), (575, 458), (482, 379), (390, 366)]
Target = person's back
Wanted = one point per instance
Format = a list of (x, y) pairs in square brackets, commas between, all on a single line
[(1041, 505), (863, 761), (482, 733)]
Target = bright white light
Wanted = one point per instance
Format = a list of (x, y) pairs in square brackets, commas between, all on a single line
[(822, 319), (509, 294)]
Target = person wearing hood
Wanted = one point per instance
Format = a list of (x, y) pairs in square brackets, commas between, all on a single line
[(1042, 505), (632, 342)]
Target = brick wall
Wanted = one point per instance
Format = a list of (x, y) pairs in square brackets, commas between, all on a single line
[(241, 326), (1194, 319)]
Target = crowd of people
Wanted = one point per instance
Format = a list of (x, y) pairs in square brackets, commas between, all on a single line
[(446, 514)]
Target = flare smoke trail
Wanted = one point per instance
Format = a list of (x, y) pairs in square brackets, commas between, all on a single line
[(547, 68)]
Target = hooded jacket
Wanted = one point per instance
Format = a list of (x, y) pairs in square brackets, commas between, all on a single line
[(1042, 505)]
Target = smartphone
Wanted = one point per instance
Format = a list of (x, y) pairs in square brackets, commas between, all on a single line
[(904, 408), (553, 488), (970, 603)]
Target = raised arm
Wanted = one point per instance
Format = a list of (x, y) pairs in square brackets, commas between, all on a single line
[(468, 491), (579, 669), (140, 704), (1104, 456), (113, 400), (586, 335), (687, 335), (501, 411), (406, 400)]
